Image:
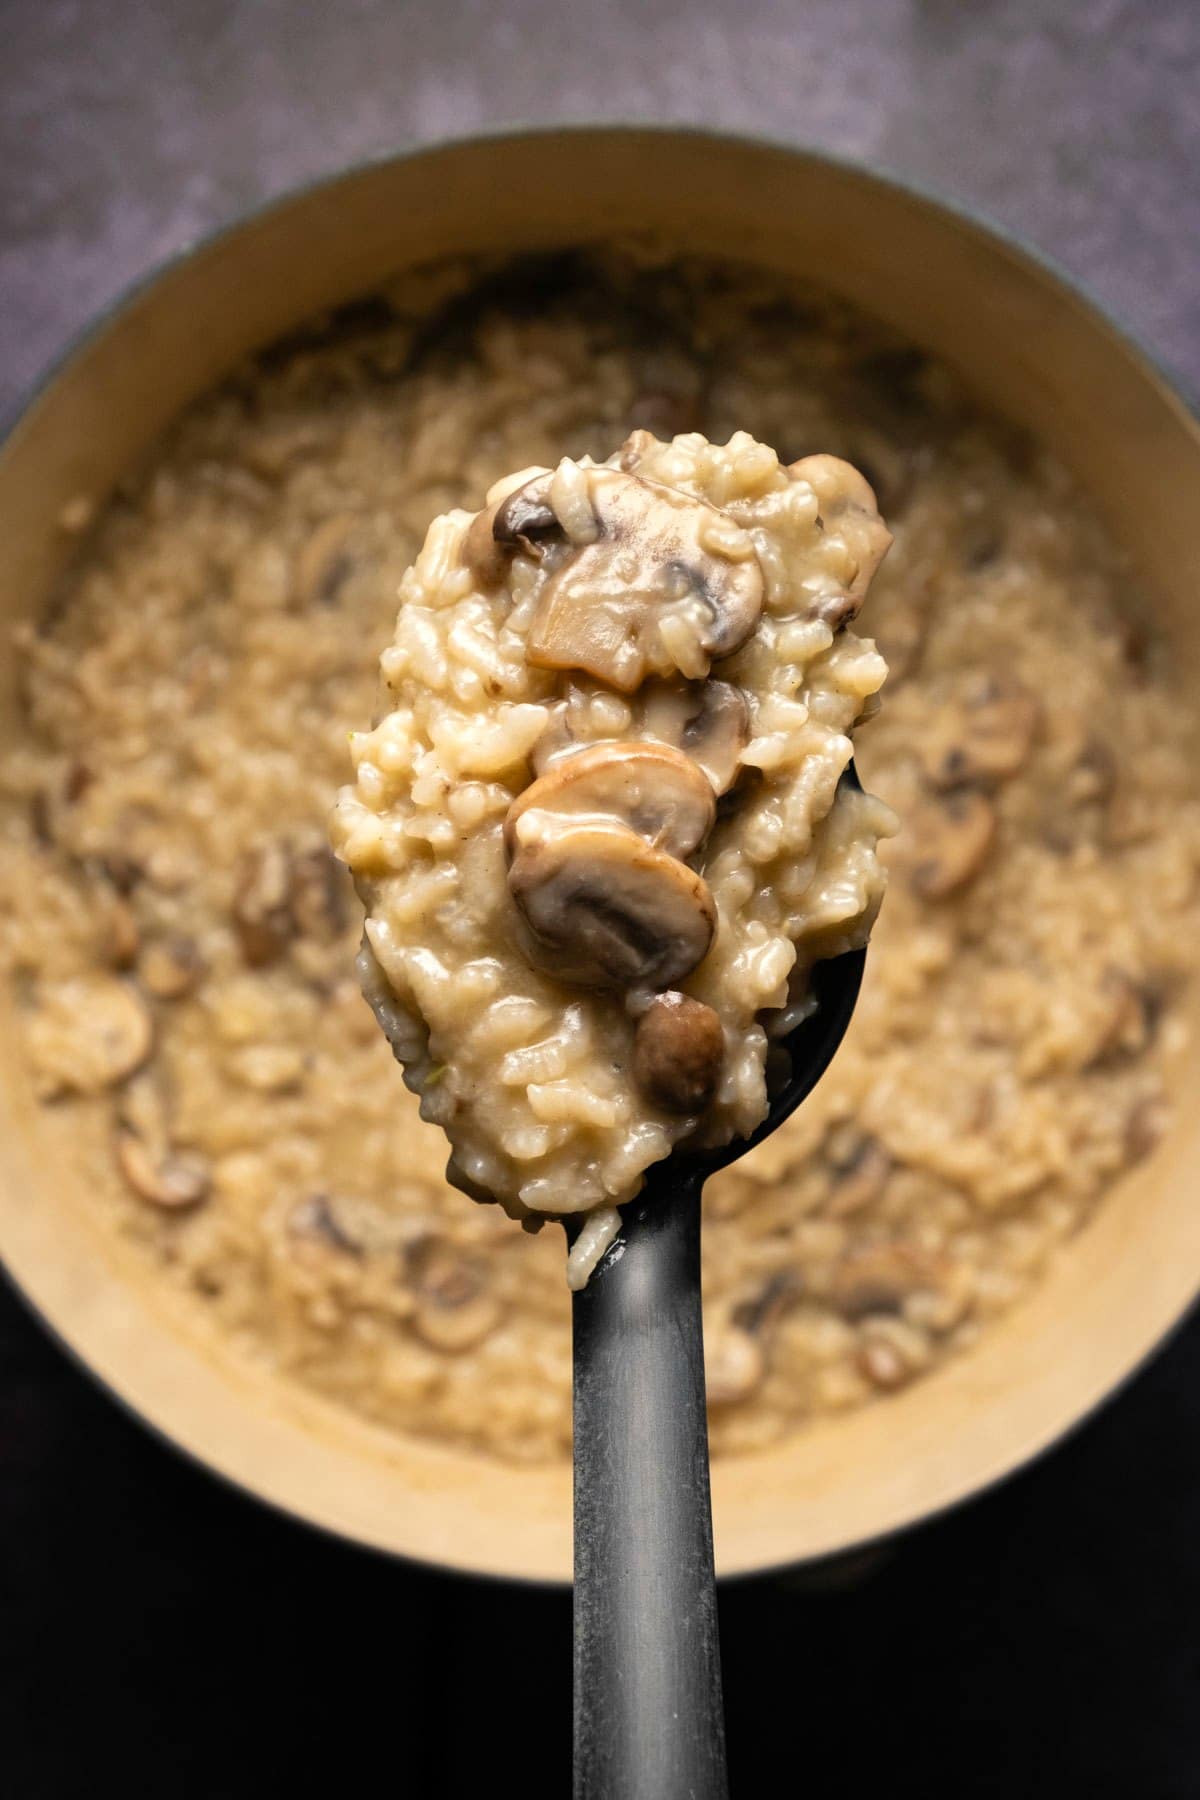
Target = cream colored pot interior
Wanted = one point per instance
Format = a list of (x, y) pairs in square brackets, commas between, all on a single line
[(1024, 341)]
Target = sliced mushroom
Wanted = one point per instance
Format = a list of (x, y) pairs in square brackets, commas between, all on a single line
[(846, 505), (150, 1164), (774, 1299), (985, 735), (953, 836), (262, 904), (1130, 1020), (319, 895), (170, 967), (173, 1180), (526, 518), (455, 1309), (87, 1035), (523, 519), (879, 1278), (678, 1050), (604, 604), (860, 1170), (606, 910), (709, 721), (324, 561), (651, 788)]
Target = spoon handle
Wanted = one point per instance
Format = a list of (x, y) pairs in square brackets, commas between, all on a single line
[(649, 1723)]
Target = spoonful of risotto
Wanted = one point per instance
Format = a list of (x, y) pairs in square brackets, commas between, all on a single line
[(618, 876)]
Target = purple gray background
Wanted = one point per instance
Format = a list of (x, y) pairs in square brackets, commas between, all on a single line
[(161, 1632)]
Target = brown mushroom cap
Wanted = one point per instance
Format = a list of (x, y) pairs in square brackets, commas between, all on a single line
[(87, 1035), (984, 735), (651, 788), (953, 837), (521, 520), (455, 1308), (262, 903), (526, 516), (602, 604), (678, 1050), (604, 909), (169, 1179), (708, 720)]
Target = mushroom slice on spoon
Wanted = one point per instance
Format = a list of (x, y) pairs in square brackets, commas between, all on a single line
[(605, 909), (665, 583), (709, 721), (848, 511), (651, 788)]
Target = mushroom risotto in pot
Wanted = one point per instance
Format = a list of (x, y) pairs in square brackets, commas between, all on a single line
[(181, 943)]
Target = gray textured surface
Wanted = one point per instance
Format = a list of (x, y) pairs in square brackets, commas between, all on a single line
[(129, 127)]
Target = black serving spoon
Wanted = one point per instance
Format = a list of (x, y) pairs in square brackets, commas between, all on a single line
[(649, 1720)]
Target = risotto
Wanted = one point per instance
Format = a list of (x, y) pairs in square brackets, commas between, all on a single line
[(179, 942), (576, 960)]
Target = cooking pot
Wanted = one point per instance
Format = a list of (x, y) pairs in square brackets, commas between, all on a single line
[(1026, 342)]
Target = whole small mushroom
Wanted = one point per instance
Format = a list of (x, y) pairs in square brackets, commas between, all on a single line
[(678, 1052), (173, 1180)]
